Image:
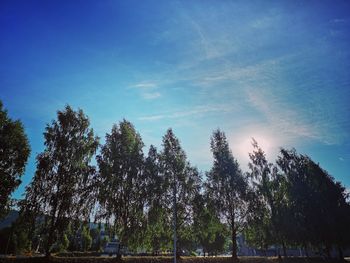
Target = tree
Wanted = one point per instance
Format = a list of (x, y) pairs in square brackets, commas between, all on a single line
[(121, 193), (95, 234), (86, 239), (181, 185), (63, 186), (14, 153), (61, 244), (316, 204), (158, 232), (14, 239), (227, 187), (260, 228), (210, 233)]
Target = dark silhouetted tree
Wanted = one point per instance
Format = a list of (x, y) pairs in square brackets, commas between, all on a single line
[(14, 152), (316, 204), (63, 187), (227, 187)]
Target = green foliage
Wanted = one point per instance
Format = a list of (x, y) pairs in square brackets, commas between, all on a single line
[(227, 187), (86, 239), (14, 153), (121, 193), (104, 241), (63, 186), (209, 232), (316, 205), (96, 241), (293, 202), (181, 183), (259, 232), (158, 233), (61, 244), (14, 239)]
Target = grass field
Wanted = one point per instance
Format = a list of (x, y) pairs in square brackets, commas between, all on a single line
[(163, 260)]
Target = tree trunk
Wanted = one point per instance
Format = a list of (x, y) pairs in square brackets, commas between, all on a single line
[(284, 249), (234, 237), (306, 252), (176, 252), (340, 253), (328, 252), (50, 238), (49, 241)]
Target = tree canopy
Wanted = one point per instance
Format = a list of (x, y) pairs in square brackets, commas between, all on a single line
[(149, 202), (14, 153), (64, 184), (122, 191), (227, 187)]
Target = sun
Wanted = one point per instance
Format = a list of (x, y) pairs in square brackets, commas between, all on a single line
[(242, 144), (246, 145)]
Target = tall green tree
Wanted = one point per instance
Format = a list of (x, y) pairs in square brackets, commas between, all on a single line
[(227, 187), (158, 232), (14, 153), (122, 190), (63, 186), (86, 239), (259, 230), (315, 201), (181, 185)]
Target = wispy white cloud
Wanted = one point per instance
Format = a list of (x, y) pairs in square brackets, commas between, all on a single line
[(152, 118), (283, 118), (209, 50), (221, 62), (338, 20), (145, 85), (194, 111), (270, 19), (147, 90), (151, 95)]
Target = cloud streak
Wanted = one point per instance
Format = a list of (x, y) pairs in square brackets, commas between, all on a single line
[(147, 90), (196, 111), (151, 95), (145, 85)]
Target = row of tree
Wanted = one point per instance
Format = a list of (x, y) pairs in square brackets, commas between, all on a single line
[(293, 202)]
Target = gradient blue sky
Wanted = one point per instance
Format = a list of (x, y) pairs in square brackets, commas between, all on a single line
[(278, 71)]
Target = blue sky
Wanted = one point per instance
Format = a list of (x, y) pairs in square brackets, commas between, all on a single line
[(274, 70)]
